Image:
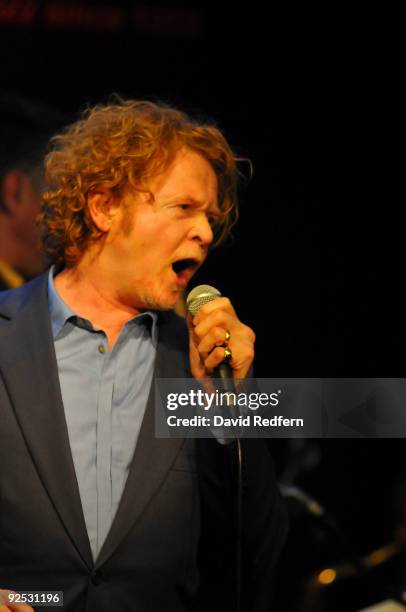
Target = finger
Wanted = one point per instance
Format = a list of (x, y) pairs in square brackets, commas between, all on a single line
[(218, 318), (216, 337), (191, 328), (217, 304), (215, 358)]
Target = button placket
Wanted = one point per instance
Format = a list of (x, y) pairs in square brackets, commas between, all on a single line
[(104, 443)]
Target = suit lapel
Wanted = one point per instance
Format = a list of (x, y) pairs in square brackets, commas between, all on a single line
[(28, 365), (29, 368), (153, 457)]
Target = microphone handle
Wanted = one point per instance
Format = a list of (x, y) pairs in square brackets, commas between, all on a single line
[(224, 373)]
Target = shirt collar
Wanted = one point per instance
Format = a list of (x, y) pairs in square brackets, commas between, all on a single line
[(60, 312)]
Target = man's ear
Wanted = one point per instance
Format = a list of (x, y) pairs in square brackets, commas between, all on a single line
[(14, 188), (103, 206)]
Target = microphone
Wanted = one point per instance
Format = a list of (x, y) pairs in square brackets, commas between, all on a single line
[(200, 295)]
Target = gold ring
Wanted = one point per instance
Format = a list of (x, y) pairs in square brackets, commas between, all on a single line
[(228, 336), (227, 354)]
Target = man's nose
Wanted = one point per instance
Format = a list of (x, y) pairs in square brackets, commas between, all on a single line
[(202, 231)]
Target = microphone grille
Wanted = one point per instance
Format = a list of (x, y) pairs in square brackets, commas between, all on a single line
[(200, 295)]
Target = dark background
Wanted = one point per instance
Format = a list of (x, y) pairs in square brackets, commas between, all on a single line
[(316, 100)]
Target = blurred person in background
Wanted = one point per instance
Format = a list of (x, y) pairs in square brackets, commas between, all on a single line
[(25, 129)]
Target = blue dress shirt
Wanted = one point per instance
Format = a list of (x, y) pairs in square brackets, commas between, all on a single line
[(104, 396)]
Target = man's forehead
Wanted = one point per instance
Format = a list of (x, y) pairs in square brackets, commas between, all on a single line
[(187, 170)]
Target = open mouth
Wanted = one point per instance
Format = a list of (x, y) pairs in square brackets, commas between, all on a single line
[(184, 264), (184, 269)]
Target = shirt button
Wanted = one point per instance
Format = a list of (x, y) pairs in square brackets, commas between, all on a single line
[(101, 349)]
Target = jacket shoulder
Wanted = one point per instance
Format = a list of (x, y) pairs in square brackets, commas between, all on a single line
[(12, 300)]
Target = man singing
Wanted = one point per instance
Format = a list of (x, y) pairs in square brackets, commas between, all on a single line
[(91, 503)]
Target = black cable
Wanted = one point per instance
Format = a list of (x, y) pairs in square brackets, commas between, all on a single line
[(239, 525)]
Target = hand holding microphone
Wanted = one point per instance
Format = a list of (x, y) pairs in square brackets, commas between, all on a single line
[(217, 339)]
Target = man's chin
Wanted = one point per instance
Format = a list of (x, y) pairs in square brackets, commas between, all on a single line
[(162, 302)]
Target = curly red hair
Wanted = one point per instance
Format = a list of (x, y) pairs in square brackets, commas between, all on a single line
[(118, 146)]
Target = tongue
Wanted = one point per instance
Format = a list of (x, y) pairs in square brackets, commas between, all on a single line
[(182, 265)]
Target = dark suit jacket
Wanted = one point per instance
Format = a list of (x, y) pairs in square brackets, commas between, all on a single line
[(176, 514)]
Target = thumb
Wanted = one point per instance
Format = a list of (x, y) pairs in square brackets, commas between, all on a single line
[(191, 329), (189, 321)]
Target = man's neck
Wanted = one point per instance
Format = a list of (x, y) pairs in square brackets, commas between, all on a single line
[(93, 301)]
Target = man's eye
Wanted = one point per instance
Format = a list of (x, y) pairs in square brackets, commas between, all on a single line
[(184, 206), (213, 220)]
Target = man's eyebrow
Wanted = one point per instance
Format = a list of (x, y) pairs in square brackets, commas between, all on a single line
[(184, 197), (187, 199)]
